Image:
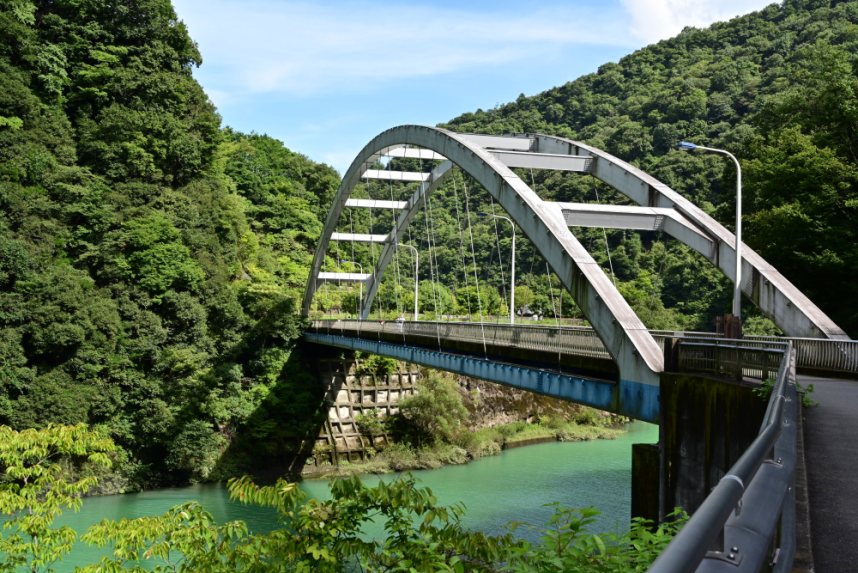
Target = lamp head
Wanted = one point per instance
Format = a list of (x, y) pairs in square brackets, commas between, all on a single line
[(481, 214), (685, 146)]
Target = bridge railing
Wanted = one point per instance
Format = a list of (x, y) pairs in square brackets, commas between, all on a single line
[(580, 341), (731, 360), (816, 353), (824, 354), (734, 528)]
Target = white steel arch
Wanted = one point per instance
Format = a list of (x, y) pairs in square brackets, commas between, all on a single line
[(636, 353), (490, 158)]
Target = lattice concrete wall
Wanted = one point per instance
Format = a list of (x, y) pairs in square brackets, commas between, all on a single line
[(348, 396)]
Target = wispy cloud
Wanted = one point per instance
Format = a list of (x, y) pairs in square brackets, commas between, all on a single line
[(301, 49), (654, 20)]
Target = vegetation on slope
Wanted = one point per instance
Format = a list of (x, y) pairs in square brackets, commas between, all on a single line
[(433, 428), (149, 261)]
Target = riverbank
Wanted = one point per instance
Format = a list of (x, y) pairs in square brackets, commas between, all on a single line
[(470, 446)]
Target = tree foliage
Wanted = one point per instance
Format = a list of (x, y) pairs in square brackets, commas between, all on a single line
[(149, 260), (34, 488)]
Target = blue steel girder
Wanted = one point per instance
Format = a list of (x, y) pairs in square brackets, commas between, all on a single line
[(626, 398)]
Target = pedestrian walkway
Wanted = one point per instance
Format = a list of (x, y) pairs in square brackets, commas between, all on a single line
[(831, 453)]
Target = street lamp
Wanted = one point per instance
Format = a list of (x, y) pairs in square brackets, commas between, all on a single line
[(512, 279), (416, 267), (737, 285), (360, 300)]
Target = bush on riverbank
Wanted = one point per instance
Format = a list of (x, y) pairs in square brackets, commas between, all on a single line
[(327, 536)]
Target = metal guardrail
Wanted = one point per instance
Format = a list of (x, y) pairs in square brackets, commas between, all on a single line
[(822, 354), (731, 360), (734, 527)]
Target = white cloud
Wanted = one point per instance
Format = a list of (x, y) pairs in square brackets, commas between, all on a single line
[(301, 49), (654, 20)]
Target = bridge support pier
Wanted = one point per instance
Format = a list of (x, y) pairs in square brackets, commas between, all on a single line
[(705, 426)]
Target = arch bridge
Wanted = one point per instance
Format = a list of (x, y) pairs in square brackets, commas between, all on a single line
[(616, 364)]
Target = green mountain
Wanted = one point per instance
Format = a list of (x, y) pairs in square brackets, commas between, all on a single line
[(778, 89), (151, 261)]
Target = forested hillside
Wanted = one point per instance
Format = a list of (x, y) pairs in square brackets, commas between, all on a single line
[(152, 261), (149, 261)]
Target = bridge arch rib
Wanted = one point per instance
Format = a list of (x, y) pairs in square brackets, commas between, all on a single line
[(636, 353), (794, 313)]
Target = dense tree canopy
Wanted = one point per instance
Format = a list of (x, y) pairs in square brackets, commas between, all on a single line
[(148, 259)]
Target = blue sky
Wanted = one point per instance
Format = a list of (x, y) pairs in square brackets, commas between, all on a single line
[(325, 77)]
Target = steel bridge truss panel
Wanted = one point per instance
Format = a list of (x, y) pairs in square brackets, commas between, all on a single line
[(530, 160), (415, 154), (407, 176), (343, 277), (640, 219)]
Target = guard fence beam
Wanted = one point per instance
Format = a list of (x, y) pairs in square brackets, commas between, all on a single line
[(735, 527)]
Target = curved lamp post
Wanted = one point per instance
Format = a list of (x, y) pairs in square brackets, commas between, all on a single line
[(512, 274), (737, 284), (360, 300), (416, 267)]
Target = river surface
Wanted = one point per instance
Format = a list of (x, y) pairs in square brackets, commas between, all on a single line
[(513, 486)]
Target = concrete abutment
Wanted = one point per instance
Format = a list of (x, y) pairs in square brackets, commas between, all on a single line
[(706, 425)]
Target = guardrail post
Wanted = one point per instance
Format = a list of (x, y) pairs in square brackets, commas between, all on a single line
[(671, 354), (717, 360), (739, 363)]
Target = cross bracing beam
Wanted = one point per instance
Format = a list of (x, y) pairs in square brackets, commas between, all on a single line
[(343, 277), (394, 175), (580, 163), (359, 238), (638, 357), (501, 142), (415, 153), (639, 218), (373, 204)]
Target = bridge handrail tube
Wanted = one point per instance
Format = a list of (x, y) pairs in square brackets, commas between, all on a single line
[(835, 355), (687, 550)]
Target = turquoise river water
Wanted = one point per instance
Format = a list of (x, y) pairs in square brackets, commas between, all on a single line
[(513, 486)]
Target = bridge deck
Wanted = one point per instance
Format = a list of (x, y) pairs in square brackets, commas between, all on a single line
[(832, 473)]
